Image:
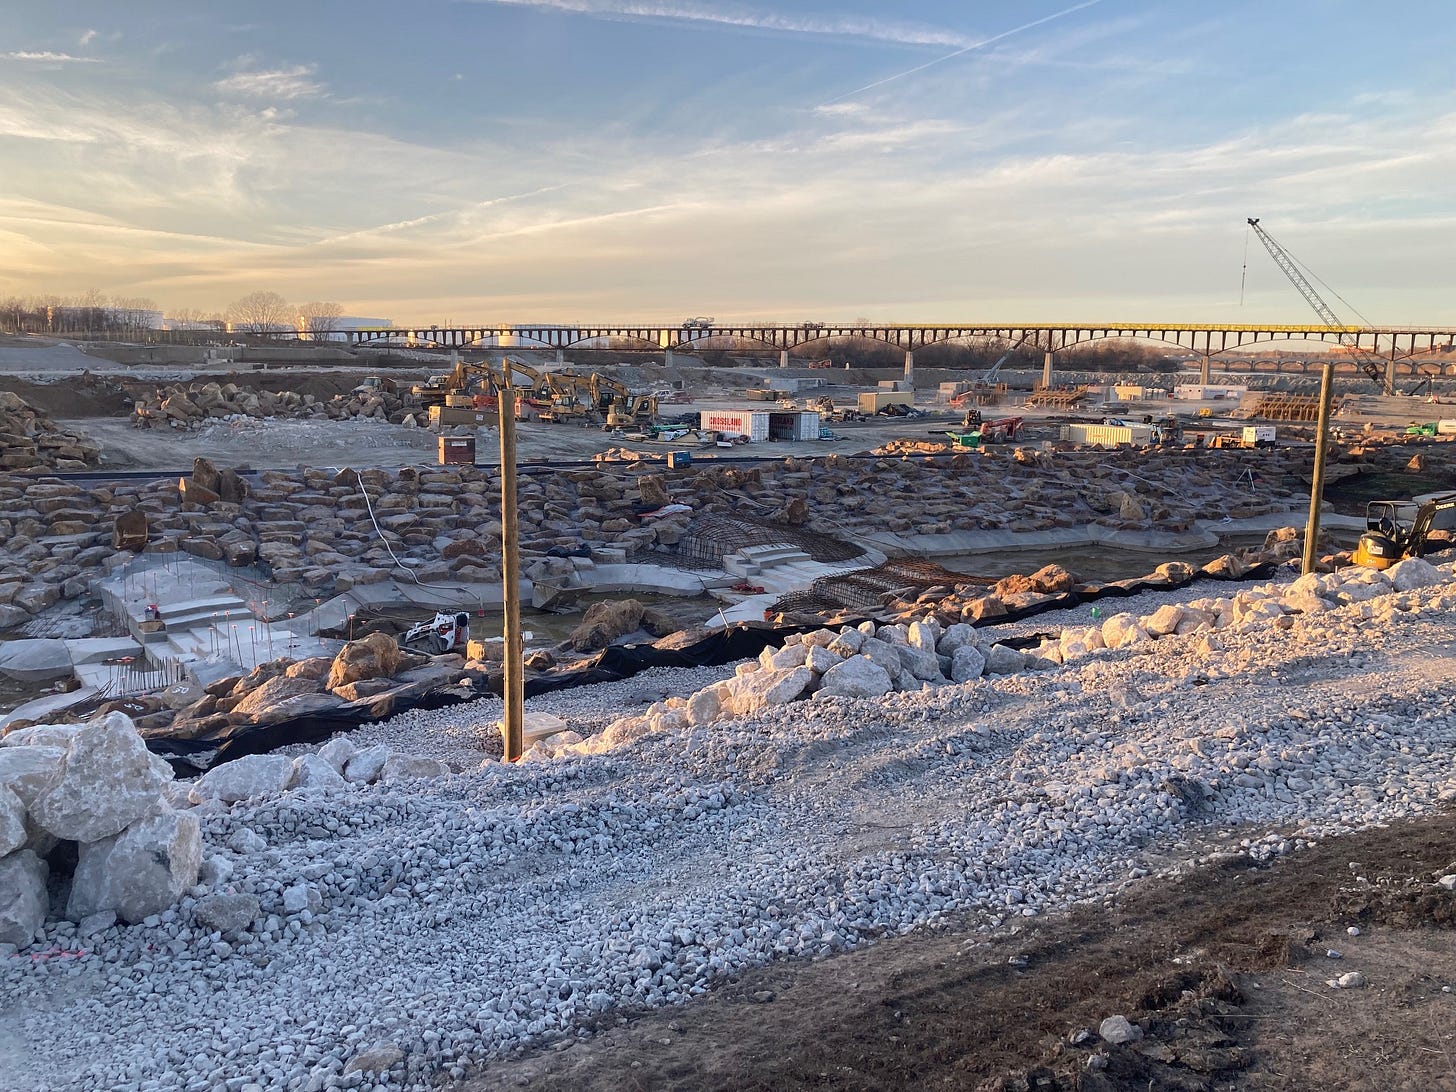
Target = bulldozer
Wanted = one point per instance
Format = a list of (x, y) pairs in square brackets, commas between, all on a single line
[(1400, 529)]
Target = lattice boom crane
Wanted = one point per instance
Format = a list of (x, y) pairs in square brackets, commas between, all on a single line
[(1372, 365)]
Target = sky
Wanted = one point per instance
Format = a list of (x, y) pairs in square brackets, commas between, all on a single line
[(499, 161)]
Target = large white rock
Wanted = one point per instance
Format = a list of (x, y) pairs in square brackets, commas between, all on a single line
[(786, 658), (883, 656), (12, 822), (409, 767), (23, 899), (1413, 573), (705, 706), (966, 663), (766, 689), (42, 735), (142, 871), (313, 771), (243, 778), (820, 659), (919, 663), (367, 765), (956, 637), (923, 635), (106, 781), (337, 752), (1114, 629), (848, 642), (1001, 660), (1164, 620), (25, 771), (857, 677)]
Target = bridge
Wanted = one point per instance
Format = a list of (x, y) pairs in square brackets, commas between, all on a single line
[(1401, 347)]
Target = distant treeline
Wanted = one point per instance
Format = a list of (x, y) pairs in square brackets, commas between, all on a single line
[(1108, 356)]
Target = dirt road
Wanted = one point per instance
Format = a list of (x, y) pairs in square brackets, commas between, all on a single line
[(1224, 970)]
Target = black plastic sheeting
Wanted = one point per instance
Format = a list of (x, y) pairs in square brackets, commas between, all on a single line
[(613, 664)]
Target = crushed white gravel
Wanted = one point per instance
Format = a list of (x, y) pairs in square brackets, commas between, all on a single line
[(409, 932)]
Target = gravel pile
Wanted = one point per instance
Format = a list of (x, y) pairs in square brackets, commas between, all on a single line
[(396, 935)]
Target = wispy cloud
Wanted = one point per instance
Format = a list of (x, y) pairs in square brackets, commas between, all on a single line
[(280, 83), (981, 44), (87, 37), (879, 30), (45, 56)]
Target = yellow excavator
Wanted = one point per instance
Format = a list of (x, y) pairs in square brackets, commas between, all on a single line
[(1399, 529), (632, 410)]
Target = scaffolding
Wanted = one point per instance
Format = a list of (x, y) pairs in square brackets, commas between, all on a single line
[(1279, 406)]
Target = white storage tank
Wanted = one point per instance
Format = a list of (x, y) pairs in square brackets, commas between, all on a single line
[(750, 423)]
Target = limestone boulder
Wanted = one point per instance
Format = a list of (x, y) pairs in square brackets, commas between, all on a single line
[(919, 663), (141, 871), (226, 912), (966, 663), (106, 781), (313, 771), (1413, 573), (373, 657), (337, 752), (1164, 620), (23, 898), (243, 779), (1001, 660), (12, 822), (272, 693), (366, 765), (857, 677), (25, 771), (1052, 580), (411, 767)]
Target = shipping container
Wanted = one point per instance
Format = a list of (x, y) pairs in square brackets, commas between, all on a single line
[(750, 423), (447, 416), (457, 449), (795, 425), (1259, 435), (1446, 427), (871, 401), (1109, 435)]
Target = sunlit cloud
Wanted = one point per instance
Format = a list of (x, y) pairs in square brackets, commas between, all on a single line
[(45, 57), (280, 83)]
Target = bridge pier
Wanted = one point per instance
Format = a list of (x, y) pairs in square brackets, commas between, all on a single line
[(1390, 374), (1046, 371), (910, 368), (560, 357), (783, 358), (667, 357), (1203, 370)]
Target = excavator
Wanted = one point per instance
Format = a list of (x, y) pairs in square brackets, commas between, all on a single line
[(632, 410), (1400, 529)]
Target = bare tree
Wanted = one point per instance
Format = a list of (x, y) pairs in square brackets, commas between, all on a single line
[(319, 318), (261, 313)]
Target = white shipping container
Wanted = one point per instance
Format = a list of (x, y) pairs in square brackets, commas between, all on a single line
[(1259, 434), (1446, 427), (750, 423), (798, 425), (1108, 435)]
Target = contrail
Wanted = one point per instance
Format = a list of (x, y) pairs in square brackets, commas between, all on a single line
[(975, 45)]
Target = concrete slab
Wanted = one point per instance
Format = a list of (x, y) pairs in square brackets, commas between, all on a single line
[(40, 708)]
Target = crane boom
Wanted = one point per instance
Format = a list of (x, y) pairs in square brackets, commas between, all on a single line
[(1371, 364)]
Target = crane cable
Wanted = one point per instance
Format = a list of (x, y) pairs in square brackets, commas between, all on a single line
[(1243, 277)]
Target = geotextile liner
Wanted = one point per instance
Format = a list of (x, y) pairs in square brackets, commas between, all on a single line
[(740, 641)]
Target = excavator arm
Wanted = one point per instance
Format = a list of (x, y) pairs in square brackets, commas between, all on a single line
[(1370, 364)]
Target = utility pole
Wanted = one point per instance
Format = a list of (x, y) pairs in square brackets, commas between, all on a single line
[(1317, 487), (513, 720)]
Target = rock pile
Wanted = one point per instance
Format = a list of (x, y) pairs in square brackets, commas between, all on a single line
[(92, 791), (373, 672), (870, 660), (30, 440), (190, 405)]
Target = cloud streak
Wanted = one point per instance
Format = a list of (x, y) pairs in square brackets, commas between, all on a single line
[(279, 83), (981, 44), (877, 30), (45, 56)]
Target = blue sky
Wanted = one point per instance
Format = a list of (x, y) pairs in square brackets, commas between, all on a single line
[(520, 160)]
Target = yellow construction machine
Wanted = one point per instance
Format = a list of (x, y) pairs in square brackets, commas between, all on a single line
[(629, 410), (1399, 529)]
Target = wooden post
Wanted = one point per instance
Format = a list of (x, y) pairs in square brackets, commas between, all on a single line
[(1317, 487), (512, 722)]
